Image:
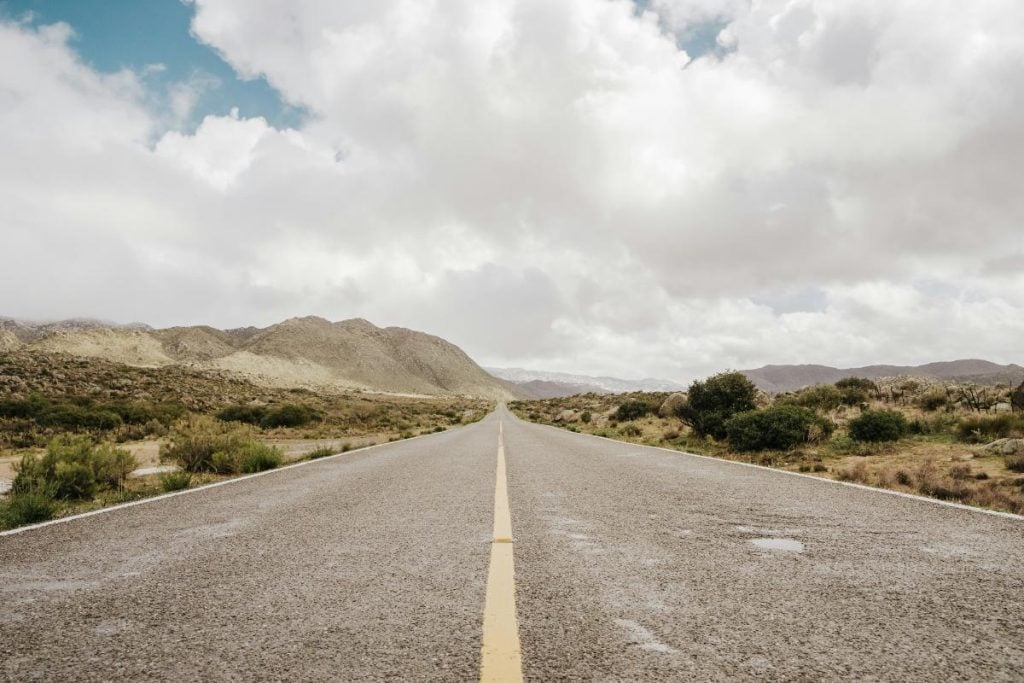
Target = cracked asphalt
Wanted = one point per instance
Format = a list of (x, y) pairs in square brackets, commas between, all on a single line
[(631, 563)]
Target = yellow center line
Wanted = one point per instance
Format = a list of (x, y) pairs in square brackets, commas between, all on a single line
[(501, 659)]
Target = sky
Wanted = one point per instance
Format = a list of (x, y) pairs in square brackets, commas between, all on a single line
[(664, 188)]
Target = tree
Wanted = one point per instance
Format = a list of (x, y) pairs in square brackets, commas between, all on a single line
[(712, 402)]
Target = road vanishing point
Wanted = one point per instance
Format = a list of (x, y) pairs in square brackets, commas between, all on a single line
[(504, 551)]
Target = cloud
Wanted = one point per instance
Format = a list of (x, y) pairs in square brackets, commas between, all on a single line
[(548, 184)]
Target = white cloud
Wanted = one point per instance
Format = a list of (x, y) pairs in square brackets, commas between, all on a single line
[(548, 184)]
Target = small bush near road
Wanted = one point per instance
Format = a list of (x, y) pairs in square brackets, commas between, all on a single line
[(202, 444), (26, 508), (777, 428), (288, 415), (986, 428), (1015, 463), (322, 452), (73, 468), (258, 457), (175, 481), (878, 425), (712, 402), (631, 410), (246, 414)]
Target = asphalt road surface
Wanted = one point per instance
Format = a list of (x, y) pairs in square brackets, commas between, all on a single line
[(631, 563)]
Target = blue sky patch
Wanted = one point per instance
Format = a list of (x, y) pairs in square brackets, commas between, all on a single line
[(115, 34)]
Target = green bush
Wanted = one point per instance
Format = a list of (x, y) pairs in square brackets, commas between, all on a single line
[(73, 468), (878, 425), (322, 452), (585, 417), (257, 457), (1017, 398), (985, 428), (288, 415), (819, 397), (252, 415), (631, 430), (631, 410), (854, 391), (193, 442), (26, 508), (932, 401), (776, 428), (712, 402), (175, 481)]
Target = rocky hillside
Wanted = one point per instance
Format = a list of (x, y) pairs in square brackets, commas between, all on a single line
[(307, 352), (779, 378)]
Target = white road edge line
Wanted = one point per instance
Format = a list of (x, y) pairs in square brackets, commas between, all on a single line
[(206, 487), (863, 487)]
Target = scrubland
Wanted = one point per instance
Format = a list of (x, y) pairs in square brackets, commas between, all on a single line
[(958, 443)]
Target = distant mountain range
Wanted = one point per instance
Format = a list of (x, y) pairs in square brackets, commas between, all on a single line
[(301, 352), (780, 378), (541, 384)]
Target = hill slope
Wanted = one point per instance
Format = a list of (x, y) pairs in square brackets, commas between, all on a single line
[(542, 384), (779, 378), (301, 352)]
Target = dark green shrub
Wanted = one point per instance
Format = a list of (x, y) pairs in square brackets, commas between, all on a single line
[(986, 428), (932, 401), (257, 457), (854, 391), (1017, 398), (819, 397), (712, 402), (287, 415), (776, 428), (26, 508), (631, 410), (585, 417), (878, 425), (175, 481), (193, 442), (252, 415), (73, 468)]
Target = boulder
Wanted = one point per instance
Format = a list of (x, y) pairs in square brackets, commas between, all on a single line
[(1006, 447), (671, 405), (567, 416)]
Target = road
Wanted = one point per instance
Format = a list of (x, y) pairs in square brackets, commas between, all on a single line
[(631, 563)]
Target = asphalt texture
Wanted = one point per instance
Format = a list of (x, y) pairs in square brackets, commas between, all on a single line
[(631, 563)]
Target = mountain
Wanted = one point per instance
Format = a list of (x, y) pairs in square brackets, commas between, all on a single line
[(301, 352), (780, 378), (541, 384)]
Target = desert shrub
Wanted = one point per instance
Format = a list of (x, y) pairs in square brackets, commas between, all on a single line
[(855, 390), (631, 410), (777, 428), (288, 415), (26, 508), (246, 414), (1015, 463), (585, 417), (878, 425), (257, 457), (1017, 398), (960, 472), (858, 473), (819, 397), (193, 442), (223, 462), (175, 481), (73, 468), (932, 401), (631, 430), (322, 452), (985, 428), (712, 402)]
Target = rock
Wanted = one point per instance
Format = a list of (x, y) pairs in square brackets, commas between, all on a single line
[(1002, 408), (671, 405), (1006, 446), (567, 416)]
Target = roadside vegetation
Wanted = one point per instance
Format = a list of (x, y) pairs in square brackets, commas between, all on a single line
[(961, 443), (73, 430)]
